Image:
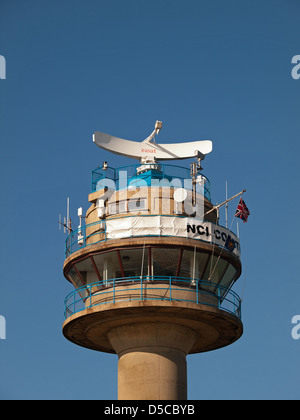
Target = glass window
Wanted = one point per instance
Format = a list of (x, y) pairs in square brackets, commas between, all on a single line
[(215, 269), (229, 276), (193, 265), (111, 266), (108, 266), (201, 264), (137, 204), (135, 262), (164, 261), (186, 264), (116, 208), (76, 280), (210, 267), (87, 271)]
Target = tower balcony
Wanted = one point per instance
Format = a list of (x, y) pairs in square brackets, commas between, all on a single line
[(211, 313), (152, 288)]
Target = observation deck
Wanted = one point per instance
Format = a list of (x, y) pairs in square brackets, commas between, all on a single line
[(163, 300), (151, 288)]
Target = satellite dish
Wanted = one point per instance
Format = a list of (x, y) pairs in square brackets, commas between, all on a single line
[(151, 151)]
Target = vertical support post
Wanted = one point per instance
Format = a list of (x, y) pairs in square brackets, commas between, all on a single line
[(234, 304), (170, 286), (90, 291), (143, 257), (194, 265), (120, 263), (96, 268), (150, 262), (179, 262), (142, 288)]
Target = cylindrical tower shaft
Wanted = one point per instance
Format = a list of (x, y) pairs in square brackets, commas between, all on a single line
[(152, 360), (155, 373)]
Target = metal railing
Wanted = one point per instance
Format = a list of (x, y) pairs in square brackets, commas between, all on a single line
[(148, 174), (151, 288), (78, 238)]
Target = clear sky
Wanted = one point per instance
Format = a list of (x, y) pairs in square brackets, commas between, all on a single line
[(209, 70)]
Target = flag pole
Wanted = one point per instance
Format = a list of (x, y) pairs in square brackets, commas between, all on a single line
[(224, 202)]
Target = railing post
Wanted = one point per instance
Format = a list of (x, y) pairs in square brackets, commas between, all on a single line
[(197, 290), (90, 287), (234, 307), (170, 279), (114, 280), (219, 299)]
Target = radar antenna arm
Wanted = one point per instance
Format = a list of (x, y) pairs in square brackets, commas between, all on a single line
[(139, 150), (158, 126)]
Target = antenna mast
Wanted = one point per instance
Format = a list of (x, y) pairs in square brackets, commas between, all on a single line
[(67, 224), (195, 169)]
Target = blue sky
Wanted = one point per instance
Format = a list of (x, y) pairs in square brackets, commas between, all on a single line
[(209, 70)]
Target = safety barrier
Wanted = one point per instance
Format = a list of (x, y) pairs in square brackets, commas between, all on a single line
[(151, 288)]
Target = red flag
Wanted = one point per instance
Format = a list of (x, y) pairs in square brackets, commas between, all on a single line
[(242, 211)]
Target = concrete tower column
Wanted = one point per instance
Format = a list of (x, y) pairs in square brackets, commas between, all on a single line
[(152, 360)]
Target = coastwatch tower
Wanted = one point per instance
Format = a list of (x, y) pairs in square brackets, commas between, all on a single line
[(152, 267)]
